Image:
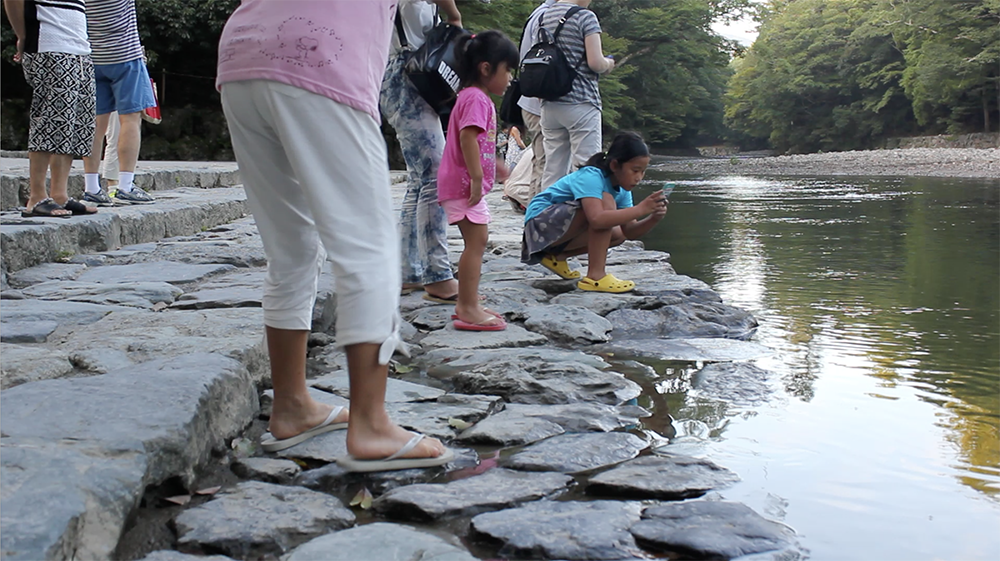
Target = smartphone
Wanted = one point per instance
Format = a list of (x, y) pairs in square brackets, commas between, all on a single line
[(667, 189)]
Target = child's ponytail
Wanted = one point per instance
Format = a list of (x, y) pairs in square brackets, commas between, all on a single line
[(625, 146), (490, 46)]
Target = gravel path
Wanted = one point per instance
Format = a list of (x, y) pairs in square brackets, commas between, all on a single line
[(937, 162)]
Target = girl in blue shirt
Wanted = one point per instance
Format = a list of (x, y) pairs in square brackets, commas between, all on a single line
[(591, 210)]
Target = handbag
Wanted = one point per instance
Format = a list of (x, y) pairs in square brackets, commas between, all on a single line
[(433, 68), (510, 111), (152, 114)]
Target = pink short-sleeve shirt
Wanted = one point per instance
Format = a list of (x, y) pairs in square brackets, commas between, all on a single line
[(334, 48), (472, 109)]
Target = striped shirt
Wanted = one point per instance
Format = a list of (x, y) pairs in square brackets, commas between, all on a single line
[(570, 41), (56, 26), (114, 35)]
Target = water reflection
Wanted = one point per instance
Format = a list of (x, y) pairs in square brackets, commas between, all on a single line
[(879, 295)]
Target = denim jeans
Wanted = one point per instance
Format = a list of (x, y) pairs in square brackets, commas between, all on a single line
[(423, 225)]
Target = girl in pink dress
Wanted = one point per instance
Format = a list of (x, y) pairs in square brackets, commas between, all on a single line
[(469, 166)]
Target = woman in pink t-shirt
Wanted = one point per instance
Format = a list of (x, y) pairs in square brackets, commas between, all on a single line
[(300, 85), (469, 166)]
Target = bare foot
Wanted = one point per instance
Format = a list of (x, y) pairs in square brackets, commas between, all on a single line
[(61, 212), (288, 420), (443, 289), (478, 315), (369, 443)]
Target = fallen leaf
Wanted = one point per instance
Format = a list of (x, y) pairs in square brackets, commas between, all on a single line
[(179, 499), (209, 490), (459, 423), (302, 463), (403, 369), (363, 499)]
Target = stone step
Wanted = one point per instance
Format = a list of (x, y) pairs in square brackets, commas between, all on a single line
[(151, 176), (31, 241)]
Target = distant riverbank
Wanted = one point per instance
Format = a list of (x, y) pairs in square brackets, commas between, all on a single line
[(910, 162)]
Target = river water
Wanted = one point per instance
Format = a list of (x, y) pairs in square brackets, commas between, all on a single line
[(880, 298)]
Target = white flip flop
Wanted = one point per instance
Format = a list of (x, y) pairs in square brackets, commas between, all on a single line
[(395, 462), (271, 444)]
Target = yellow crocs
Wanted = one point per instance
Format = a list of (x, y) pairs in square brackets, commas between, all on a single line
[(608, 284), (560, 268)]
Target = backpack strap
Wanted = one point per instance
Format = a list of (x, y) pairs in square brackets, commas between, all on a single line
[(400, 31), (562, 21)]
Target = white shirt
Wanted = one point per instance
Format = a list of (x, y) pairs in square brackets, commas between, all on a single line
[(419, 17), (532, 105)]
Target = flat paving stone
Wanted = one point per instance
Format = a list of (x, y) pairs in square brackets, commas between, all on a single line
[(382, 541), (172, 272), (256, 519), (689, 350), (561, 530), (572, 453), (44, 273), (494, 490), (143, 336), (661, 477), (583, 417), (396, 391), (508, 428), (548, 382), (572, 325), (63, 313), (268, 470), (435, 418), (134, 294), (513, 336), (170, 555), (68, 464), (712, 529), (29, 363), (26, 331)]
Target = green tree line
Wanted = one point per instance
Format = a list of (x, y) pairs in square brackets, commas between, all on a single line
[(670, 89), (847, 74)]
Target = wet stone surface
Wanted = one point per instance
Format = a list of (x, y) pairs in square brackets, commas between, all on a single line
[(562, 530), (383, 541), (256, 519), (661, 477), (572, 453), (714, 529), (267, 470), (494, 490)]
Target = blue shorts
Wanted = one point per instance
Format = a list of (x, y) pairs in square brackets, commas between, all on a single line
[(123, 87)]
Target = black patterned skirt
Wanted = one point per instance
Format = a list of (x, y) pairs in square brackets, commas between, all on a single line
[(63, 102), (543, 231)]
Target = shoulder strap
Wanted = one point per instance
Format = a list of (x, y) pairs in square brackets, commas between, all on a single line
[(562, 21), (399, 29)]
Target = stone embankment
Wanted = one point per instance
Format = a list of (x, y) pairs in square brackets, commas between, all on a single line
[(133, 366), (909, 162)]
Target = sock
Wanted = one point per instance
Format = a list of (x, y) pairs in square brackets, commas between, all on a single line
[(125, 181), (93, 182)]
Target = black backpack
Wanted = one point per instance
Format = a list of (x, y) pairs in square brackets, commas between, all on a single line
[(545, 72)]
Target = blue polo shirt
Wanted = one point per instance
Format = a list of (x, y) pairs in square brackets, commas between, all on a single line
[(588, 181)]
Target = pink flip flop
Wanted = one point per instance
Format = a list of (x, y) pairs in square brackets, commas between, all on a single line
[(487, 310), (466, 326)]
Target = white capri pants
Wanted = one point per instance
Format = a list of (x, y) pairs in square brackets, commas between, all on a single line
[(571, 134), (316, 175)]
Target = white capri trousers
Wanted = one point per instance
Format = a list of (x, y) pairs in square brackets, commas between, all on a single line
[(571, 134), (316, 175)]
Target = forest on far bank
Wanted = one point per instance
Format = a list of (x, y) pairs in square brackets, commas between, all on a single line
[(822, 75)]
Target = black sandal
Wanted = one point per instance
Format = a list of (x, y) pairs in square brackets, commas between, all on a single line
[(44, 209), (77, 208)]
